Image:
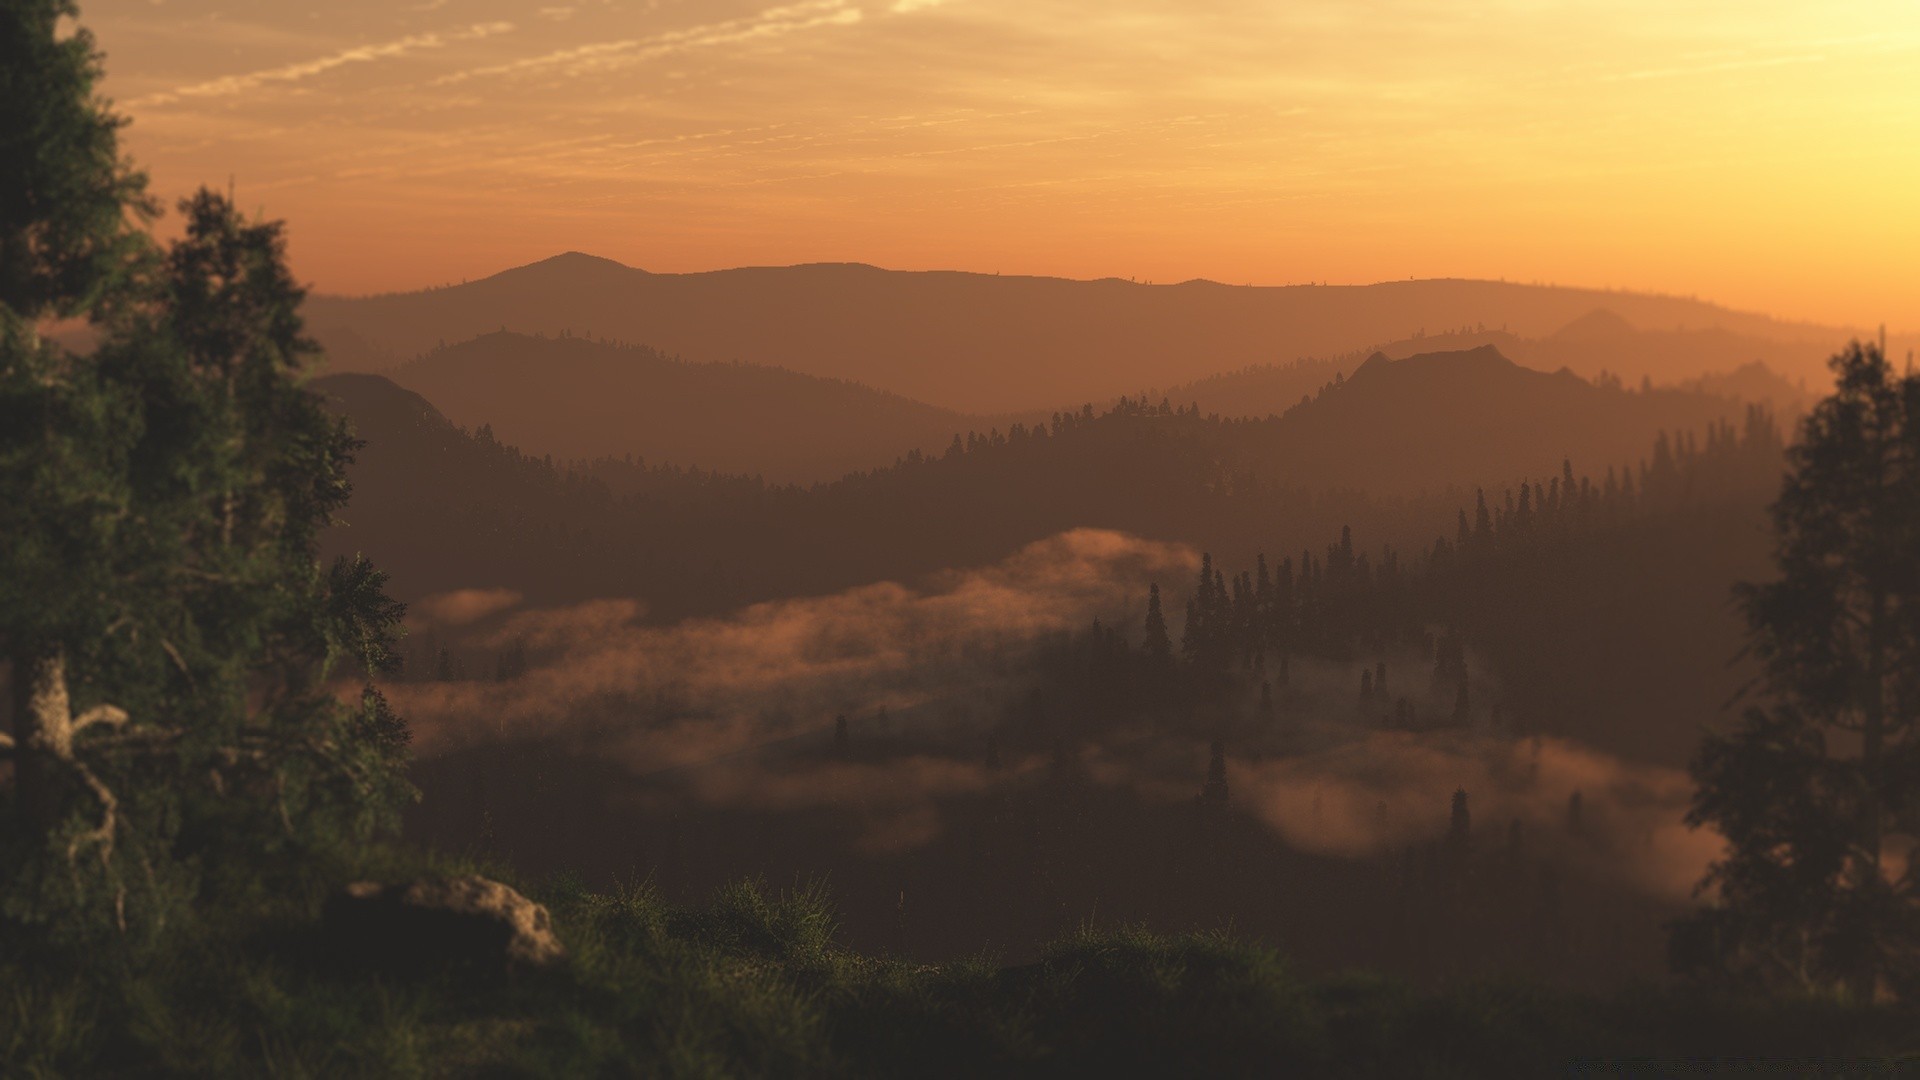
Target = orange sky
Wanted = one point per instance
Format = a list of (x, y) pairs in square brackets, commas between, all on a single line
[(1760, 153)]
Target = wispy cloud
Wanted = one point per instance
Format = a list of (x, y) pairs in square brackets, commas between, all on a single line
[(605, 55), (228, 85)]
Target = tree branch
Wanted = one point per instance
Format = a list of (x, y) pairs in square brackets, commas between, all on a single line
[(101, 835), (110, 715)]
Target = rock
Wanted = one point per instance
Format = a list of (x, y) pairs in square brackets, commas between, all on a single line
[(436, 922)]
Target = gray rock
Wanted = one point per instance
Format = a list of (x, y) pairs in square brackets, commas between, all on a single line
[(442, 921)]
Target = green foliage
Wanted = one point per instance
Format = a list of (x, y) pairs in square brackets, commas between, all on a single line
[(748, 984), (1817, 790), (68, 202), (175, 648)]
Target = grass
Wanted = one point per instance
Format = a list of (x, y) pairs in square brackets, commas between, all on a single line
[(751, 983)]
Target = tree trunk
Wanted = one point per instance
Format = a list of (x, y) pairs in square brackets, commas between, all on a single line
[(43, 737), (1866, 974)]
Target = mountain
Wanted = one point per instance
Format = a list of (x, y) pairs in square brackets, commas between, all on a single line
[(980, 342), (442, 508), (1599, 346), (1393, 451), (1471, 416), (576, 398)]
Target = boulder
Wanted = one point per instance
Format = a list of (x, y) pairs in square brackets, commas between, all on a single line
[(436, 922)]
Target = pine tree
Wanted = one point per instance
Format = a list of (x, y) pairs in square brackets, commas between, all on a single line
[(70, 205), (1816, 788), (1159, 647), (170, 632), (1460, 823), (1190, 641), (1215, 790)]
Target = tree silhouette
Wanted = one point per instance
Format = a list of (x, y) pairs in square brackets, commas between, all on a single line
[(1459, 824), (1816, 788), (1215, 790), (1159, 646)]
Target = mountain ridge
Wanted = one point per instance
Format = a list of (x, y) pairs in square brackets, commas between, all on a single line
[(983, 343), (576, 398)]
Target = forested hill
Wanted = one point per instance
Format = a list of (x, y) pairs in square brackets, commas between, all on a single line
[(446, 508), (1599, 347), (978, 342), (578, 398), (1471, 417)]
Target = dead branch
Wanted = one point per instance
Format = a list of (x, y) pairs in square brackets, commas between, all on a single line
[(102, 835), (110, 715), (177, 661)]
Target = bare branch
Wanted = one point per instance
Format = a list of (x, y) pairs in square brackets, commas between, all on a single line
[(101, 835), (177, 661), (110, 715)]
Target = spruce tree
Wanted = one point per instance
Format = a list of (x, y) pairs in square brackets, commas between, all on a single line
[(1460, 823), (1817, 788), (1158, 645), (175, 647), (1215, 789)]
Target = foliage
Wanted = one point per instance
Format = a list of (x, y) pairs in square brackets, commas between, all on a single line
[(1817, 791), (172, 641), (69, 203), (747, 985)]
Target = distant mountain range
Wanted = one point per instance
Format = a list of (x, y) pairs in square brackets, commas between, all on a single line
[(991, 344), (575, 398), (1394, 450)]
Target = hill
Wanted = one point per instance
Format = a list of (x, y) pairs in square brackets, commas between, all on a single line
[(1471, 417), (575, 398), (977, 342), (1392, 451), (1600, 347)]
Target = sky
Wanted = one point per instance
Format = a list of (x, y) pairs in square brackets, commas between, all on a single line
[(1759, 153)]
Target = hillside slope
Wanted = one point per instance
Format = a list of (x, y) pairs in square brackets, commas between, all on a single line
[(576, 398)]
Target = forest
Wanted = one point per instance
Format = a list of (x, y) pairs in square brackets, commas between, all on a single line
[(1481, 702)]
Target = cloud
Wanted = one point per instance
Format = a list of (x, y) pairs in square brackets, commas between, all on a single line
[(709, 707), (608, 55), (733, 711), (678, 695), (229, 85), (1379, 793), (902, 7)]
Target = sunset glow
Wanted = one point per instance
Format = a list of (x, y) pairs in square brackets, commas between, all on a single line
[(1761, 154)]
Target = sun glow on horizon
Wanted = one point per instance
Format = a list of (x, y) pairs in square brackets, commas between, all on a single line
[(1759, 155)]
